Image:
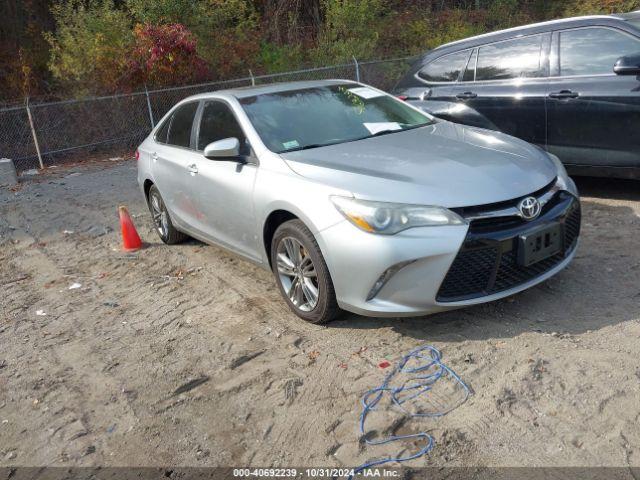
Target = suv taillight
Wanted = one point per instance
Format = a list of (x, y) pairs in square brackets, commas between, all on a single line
[(137, 154)]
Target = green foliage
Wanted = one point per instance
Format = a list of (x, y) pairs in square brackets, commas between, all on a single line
[(164, 11), (226, 30), (228, 34), (97, 44), (274, 58), (589, 7), (88, 49), (452, 25), (504, 14), (350, 29)]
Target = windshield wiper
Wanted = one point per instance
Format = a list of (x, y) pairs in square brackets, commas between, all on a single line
[(306, 147), (313, 145), (403, 129), (394, 130), (387, 131), (381, 132)]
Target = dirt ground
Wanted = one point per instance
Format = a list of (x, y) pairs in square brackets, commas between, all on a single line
[(187, 356)]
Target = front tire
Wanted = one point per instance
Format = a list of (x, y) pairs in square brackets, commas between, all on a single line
[(161, 219), (302, 274)]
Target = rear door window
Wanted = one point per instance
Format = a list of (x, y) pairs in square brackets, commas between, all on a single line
[(445, 69), (161, 134), (594, 50), (181, 125), (518, 58), (470, 72)]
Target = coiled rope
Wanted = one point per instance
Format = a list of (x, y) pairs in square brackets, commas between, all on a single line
[(422, 377)]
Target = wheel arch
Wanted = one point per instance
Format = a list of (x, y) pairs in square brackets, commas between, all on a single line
[(271, 224), (146, 186)]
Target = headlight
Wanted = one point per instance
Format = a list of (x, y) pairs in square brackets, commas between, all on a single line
[(389, 218), (564, 182), (562, 172)]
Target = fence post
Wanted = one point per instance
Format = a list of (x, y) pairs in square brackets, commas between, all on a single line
[(253, 80), (355, 62), (33, 133), (146, 92)]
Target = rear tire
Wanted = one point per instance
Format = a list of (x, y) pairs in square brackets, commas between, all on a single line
[(302, 274), (161, 219)]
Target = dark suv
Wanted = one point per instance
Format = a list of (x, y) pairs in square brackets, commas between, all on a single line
[(570, 86)]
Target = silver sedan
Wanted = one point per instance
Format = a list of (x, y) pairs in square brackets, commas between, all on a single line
[(358, 201)]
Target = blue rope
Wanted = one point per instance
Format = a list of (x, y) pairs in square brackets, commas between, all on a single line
[(429, 370)]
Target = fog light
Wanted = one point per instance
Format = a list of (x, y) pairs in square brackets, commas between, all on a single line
[(385, 277)]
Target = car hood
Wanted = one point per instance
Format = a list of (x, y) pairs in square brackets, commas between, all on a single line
[(442, 164)]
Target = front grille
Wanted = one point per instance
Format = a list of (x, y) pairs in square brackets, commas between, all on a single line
[(492, 207), (487, 262)]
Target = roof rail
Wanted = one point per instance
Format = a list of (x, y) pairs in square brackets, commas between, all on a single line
[(523, 27)]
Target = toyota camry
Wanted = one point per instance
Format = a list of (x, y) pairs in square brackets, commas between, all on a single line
[(358, 201)]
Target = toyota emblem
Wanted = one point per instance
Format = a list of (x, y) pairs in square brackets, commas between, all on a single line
[(529, 208)]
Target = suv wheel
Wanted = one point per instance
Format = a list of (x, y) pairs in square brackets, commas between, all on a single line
[(301, 273)]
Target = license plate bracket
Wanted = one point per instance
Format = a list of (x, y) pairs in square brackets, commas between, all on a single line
[(539, 245)]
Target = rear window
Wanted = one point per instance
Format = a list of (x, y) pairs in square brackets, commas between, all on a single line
[(519, 58), (181, 124), (445, 69)]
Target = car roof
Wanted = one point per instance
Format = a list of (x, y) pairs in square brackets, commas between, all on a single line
[(629, 16), (535, 28), (251, 91)]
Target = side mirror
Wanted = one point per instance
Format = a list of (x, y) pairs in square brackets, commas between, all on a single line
[(628, 65), (225, 149)]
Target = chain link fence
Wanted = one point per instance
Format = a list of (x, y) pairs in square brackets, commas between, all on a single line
[(37, 135)]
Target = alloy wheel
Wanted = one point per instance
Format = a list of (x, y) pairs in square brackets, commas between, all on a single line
[(160, 216), (297, 274)]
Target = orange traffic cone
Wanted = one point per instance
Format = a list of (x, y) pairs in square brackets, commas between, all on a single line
[(130, 238)]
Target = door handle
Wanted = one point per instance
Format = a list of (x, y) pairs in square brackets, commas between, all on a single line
[(564, 94), (466, 95), (154, 156), (192, 169)]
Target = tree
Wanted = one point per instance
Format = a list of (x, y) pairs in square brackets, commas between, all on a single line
[(88, 48), (164, 55), (165, 11), (351, 28)]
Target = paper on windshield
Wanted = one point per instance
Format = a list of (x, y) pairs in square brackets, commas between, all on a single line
[(365, 92), (290, 144), (381, 126)]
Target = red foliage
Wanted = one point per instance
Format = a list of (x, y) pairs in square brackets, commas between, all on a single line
[(165, 55), (234, 53)]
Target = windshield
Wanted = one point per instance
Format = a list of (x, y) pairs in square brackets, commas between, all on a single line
[(315, 117)]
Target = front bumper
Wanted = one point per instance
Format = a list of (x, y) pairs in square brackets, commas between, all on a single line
[(433, 277)]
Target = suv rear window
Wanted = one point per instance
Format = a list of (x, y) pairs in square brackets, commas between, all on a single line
[(593, 50), (519, 58), (445, 69), (181, 124)]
